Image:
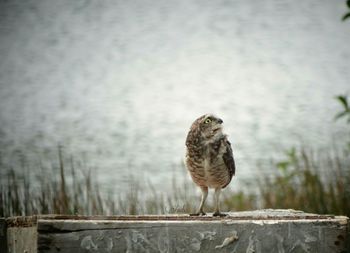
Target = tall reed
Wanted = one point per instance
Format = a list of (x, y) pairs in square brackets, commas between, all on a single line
[(318, 183)]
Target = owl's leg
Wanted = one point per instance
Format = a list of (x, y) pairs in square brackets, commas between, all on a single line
[(217, 203), (204, 197)]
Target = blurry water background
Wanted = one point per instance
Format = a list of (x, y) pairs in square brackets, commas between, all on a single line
[(118, 83)]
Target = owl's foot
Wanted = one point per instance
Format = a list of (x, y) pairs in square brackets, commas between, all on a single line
[(201, 213), (220, 214)]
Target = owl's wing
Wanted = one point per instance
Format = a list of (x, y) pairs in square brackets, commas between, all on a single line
[(228, 159)]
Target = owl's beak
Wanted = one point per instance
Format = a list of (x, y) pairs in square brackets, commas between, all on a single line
[(220, 121)]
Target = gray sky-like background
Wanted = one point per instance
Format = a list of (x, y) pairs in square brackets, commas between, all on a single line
[(120, 82)]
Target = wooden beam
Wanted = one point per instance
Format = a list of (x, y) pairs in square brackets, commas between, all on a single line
[(253, 231)]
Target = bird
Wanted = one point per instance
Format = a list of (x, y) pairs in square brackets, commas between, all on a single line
[(209, 158)]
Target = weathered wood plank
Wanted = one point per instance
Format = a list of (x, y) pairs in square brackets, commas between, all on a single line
[(272, 214), (175, 236), (251, 231), (326, 234), (22, 239)]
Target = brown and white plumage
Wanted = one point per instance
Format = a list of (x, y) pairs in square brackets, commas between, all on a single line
[(209, 158)]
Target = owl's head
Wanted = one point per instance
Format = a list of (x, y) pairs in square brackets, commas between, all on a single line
[(209, 125)]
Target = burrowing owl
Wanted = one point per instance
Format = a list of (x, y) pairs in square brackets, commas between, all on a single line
[(209, 158)]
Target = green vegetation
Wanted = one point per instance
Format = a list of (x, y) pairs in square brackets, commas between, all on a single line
[(52, 194), (347, 15), (312, 183), (305, 181), (345, 113)]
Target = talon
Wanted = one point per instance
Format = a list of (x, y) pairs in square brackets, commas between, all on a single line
[(220, 214)]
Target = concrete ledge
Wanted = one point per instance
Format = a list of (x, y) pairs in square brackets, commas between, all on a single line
[(251, 231)]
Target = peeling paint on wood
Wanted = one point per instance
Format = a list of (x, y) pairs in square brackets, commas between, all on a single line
[(252, 231), (228, 240)]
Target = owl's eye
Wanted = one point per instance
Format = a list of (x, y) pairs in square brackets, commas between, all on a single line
[(207, 121)]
